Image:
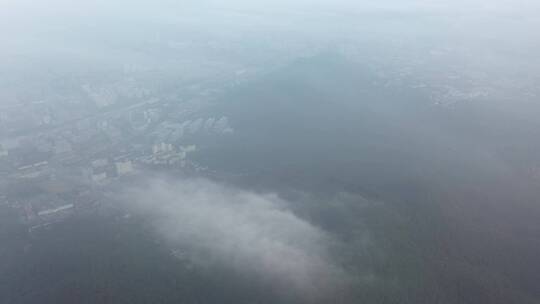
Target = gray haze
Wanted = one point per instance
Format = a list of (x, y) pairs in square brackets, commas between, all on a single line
[(273, 151)]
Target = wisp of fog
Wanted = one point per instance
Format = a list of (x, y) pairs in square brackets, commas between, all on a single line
[(249, 232)]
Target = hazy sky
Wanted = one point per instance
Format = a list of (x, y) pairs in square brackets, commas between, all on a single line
[(26, 8)]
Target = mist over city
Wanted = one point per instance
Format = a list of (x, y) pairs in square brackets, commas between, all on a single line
[(302, 151)]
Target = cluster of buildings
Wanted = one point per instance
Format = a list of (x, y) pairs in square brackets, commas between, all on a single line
[(88, 153)]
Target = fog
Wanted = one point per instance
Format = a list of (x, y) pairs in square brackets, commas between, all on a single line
[(285, 151), (253, 233)]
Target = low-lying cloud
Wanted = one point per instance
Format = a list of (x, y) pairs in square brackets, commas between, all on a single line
[(248, 232)]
